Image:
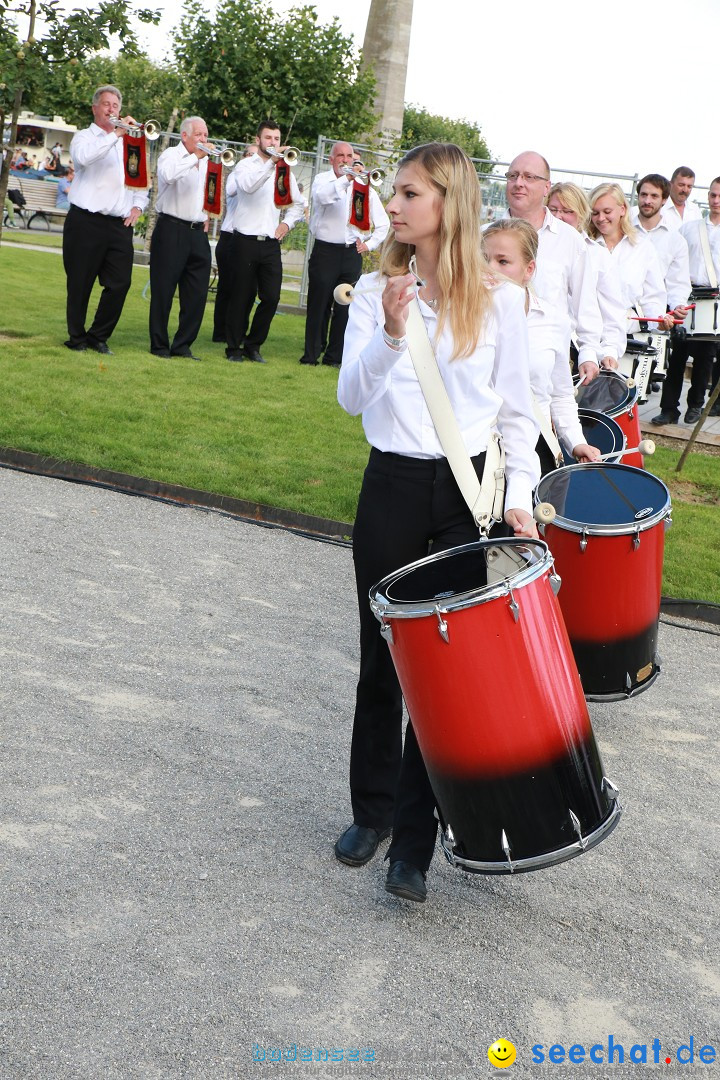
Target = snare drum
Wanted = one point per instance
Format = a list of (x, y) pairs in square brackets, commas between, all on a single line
[(486, 670), (614, 395), (637, 362), (607, 541), (600, 431), (703, 322)]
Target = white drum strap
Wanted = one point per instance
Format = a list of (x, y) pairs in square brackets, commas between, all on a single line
[(484, 499), (709, 264), (547, 432)]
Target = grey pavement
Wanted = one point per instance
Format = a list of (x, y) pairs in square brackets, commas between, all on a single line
[(177, 693)]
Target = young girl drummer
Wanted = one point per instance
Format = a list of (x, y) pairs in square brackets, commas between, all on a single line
[(510, 247), (409, 499)]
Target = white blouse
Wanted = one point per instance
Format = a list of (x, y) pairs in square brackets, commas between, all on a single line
[(550, 376), (380, 382), (613, 309), (641, 277)]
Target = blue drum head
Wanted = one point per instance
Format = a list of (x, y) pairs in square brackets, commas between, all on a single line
[(609, 393), (600, 431), (604, 497)]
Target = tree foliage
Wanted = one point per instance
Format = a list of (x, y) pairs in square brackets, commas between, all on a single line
[(248, 62), (420, 126)]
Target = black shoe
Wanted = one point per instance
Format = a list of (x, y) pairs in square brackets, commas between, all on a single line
[(163, 353), (655, 386), (715, 411), (254, 355), (235, 355), (331, 363), (405, 880), (81, 347), (692, 416), (99, 346), (357, 845), (665, 417), (187, 356), (304, 361)]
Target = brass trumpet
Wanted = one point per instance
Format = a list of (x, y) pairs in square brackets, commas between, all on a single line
[(367, 176), (228, 157), (151, 128), (290, 155)]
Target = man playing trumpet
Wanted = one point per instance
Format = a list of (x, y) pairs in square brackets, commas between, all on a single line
[(337, 253), (263, 194), (98, 233), (180, 251)]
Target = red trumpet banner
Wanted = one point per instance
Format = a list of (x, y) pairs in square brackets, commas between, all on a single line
[(213, 189), (135, 161), (360, 206), (283, 194)]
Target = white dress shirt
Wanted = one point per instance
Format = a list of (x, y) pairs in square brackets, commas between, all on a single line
[(550, 376), (672, 251), (698, 269), (380, 382), (181, 184), (230, 204), (563, 279), (641, 277), (610, 299), (99, 183), (253, 181), (329, 219), (672, 216)]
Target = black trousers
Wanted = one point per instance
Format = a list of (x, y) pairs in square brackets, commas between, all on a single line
[(406, 507), (258, 272), (179, 259), (330, 265), (95, 248), (703, 354), (225, 282)]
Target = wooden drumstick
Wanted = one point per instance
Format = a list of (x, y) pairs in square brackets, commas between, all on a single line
[(345, 294), (645, 447)]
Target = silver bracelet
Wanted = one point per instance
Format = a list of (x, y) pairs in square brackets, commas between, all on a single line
[(393, 342)]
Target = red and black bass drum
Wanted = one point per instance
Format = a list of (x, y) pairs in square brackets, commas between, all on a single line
[(488, 676)]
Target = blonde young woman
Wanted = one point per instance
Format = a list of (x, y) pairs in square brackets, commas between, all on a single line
[(510, 247), (409, 498), (632, 253), (569, 203)]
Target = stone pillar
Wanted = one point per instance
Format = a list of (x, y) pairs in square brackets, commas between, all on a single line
[(386, 47)]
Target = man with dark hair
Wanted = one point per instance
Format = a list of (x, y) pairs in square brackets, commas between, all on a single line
[(257, 232), (98, 233), (672, 250), (704, 255), (677, 209)]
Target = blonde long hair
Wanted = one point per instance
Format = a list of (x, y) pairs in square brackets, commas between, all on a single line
[(575, 199), (462, 272), (617, 193)]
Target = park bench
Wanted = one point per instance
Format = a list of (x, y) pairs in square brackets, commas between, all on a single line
[(40, 198)]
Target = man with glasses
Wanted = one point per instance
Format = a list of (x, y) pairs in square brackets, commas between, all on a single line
[(563, 277)]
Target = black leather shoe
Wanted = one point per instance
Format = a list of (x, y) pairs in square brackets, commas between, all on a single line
[(692, 416), (237, 356), (665, 418), (99, 346), (163, 353), (304, 361), (82, 347), (357, 845), (331, 363), (187, 356), (254, 355), (405, 880)]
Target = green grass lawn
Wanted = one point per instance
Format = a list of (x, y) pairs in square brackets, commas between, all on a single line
[(268, 433)]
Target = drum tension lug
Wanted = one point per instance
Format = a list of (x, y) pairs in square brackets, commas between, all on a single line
[(636, 539), (386, 632), (584, 540), (628, 682), (505, 844), (513, 605), (578, 830), (442, 626), (609, 789), (555, 583)]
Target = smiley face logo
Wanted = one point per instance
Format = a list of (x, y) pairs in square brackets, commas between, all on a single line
[(501, 1054)]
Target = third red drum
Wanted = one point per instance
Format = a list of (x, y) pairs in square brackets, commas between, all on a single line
[(488, 676), (611, 393)]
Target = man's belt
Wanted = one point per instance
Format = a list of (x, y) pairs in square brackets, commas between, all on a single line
[(183, 221), (252, 236)]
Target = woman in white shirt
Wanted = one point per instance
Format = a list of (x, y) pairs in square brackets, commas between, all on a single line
[(409, 498), (510, 246), (569, 203), (633, 254)]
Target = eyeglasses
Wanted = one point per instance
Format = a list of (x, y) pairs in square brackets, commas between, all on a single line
[(529, 178)]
